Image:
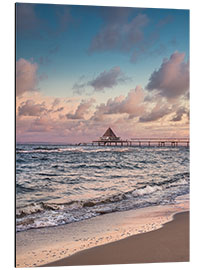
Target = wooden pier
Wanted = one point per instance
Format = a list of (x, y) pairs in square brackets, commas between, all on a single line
[(110, 139), (161, 142)]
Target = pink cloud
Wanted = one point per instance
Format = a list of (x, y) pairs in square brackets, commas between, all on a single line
[(132, 105), (30, 108), (41, 124), (159, 111), (82, 109), (172, 78), (26, 77)]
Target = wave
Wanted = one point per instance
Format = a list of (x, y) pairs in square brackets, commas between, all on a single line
[(46, 148), (78, 149), (43, 214), (48, 174), (22, 189), (146, 188), (39, 207)]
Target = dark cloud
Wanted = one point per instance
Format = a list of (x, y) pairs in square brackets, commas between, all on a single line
[(179, 114), (59, 109), (29, 108), (108, 79), (123, 32), (26, 19), (118, 32), (172, 78), (82, 109), (31, 23)]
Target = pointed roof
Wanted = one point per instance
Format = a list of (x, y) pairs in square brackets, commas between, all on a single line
[(109, 133)]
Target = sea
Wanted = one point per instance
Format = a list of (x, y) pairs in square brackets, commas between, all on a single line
[(61, 184)]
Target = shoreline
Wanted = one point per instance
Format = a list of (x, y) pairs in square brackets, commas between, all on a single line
[(43, 246), (167, 244)]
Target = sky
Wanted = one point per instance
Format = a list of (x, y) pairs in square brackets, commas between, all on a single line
[(82, 69)]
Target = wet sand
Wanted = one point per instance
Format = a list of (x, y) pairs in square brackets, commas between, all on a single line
[(167, 244)]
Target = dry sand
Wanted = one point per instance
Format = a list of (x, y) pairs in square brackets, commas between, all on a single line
[(167, 244)]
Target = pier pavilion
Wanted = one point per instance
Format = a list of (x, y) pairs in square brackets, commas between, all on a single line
[(110, 138)]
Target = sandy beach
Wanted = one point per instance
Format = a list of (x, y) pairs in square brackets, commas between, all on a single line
[(167, 244), (133, 236)]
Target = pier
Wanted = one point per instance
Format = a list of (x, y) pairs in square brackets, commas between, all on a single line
[(110, 139), (161, 142)]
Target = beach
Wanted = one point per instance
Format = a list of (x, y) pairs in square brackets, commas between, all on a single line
[(168, 244), (133, 236), (71, 200)]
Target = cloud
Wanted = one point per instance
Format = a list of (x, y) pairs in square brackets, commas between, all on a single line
[(55, 102), (82, 109), (131, 105), (26, 76), (118, 32), (108, 79), (41, 124), (159, 110), (31, 23), (59, 109), (179, 114), (78, 88), (166, 20), (64, 18), (119, 14), (30, 108), (26, 19), (124, 31), (80, 85), (172, 78)]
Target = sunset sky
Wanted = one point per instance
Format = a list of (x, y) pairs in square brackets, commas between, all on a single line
[(81, 69)]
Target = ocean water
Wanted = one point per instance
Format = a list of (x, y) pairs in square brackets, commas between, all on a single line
[(61, 184)]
